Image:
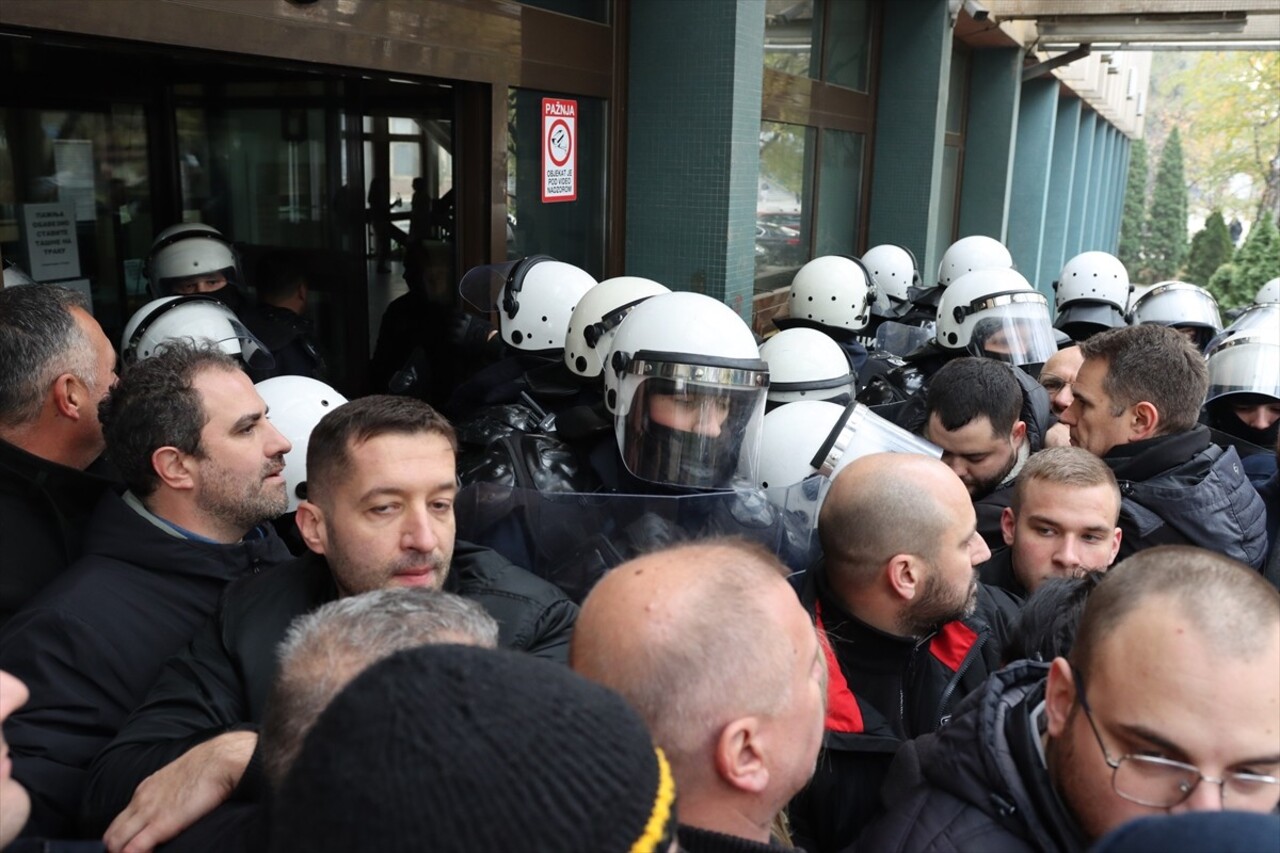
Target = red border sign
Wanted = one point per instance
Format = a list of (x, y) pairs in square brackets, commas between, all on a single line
[(559, 150)]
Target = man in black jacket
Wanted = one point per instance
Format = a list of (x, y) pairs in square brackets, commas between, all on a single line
[(909, 628), (381, 482), (1166, 703), (189, 434), (55, 366), (1136, 400)]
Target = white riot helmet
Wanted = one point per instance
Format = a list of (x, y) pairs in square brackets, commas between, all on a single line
[(894, 272), (1180, 305), (295, 404), (996, 314), (805, 364), (972, 254), (534, 298), (832, 292), (596, 317), (791, 437), (1269, 292), (1244, 363), (195, 317), (687, 389), (1092, 295), (186, 251), (14, 275), (860, 432)]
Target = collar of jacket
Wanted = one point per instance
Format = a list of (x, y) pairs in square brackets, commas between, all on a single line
[(1142, 460)]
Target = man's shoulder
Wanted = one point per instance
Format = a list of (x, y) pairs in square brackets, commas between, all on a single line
[(476, 569)]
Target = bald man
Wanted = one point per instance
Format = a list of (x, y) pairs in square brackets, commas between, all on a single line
[(709, 644), (909, 626)]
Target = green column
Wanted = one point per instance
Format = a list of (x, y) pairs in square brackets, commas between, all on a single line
[(911, 111), (1117, 205), (1080, 185), (995, 81), (1097, 178), (693, 153), (1032, 170), (1058, 206)]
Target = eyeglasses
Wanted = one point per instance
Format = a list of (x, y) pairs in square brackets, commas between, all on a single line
[(1162, 784)]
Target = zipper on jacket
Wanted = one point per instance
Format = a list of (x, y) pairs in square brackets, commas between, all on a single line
[(964, 667)]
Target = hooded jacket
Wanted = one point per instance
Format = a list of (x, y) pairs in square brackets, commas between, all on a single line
[(979, 784), (94, 640), (220, 682), (1181, 489), (905, 688)]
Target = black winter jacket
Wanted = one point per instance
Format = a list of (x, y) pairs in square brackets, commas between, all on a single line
[(979, 784), (45, 508), (931, 674), (220, 682), (91, 644), (1183, 490)]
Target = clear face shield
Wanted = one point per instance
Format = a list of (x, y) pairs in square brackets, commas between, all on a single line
[(1186, 307), (1257, 321), (692, 426), (1013, 327), (481, 287), (1244, 364), (901, 339), (861, 432), (196, 318)]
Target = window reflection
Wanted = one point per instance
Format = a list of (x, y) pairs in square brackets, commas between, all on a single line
[(790, 32), (783, 190)]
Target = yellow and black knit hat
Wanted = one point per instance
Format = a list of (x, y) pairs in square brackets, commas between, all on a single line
[(453, 748)]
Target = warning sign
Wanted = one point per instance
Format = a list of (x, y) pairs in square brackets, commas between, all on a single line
[(559, 150), (52, 250)]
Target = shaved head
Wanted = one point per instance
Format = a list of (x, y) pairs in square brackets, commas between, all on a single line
[(698, 637), (886, 504)]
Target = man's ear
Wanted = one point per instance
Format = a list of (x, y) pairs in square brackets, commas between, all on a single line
[(1059, 697), (739, 758), (1115, 545), (310, 521), (1144, 421), (69, 396), (905, 574), (173, 467), (1019, 433), (1008, 523)]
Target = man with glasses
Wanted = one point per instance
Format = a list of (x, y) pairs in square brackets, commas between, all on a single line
[(1168, 703)]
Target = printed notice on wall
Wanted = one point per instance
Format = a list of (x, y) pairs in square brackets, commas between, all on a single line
[(559, 149), (52, 250)]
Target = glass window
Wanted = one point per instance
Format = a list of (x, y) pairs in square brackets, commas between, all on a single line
[(783, 191), (591, 10), (91, 166), (847, 58), (839, 193), (569, 231), (791, 29)]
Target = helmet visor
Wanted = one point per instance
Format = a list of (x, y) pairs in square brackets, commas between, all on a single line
[(686, 432), (1178, 305), (481, 287), (861, 432), (900, 339), (252, 352), (1260, 321), (1018, 332), (1244, 365)]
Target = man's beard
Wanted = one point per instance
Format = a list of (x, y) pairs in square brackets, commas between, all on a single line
[(936, 605), (244, 505), (981, 488)]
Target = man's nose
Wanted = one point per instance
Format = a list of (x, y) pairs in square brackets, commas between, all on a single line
[(278, 445), (709, 420), (1068, 553), (1207, 797), (1060, 401), (978, 550), (418, 533)]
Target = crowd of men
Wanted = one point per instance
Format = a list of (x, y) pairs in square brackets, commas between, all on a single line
[(1052, 613)]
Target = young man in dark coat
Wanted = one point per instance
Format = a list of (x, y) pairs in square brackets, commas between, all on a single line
[(1136, 400), (1166, 703), (55, 366), (190, 436), (910, 630), (381, 482)]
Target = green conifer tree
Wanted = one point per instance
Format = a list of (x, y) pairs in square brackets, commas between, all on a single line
[(1211, 247), (1166, 243), (1133, 223), (1258, 260)]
